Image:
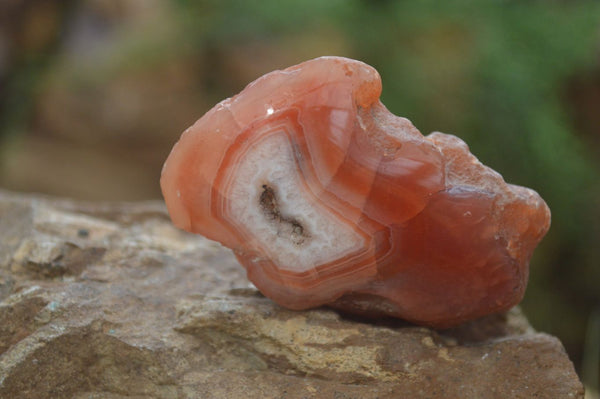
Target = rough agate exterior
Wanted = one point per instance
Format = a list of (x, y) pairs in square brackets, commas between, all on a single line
[(326, 197)]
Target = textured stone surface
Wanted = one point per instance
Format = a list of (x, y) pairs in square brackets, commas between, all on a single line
[(326, 197), (111, 301)]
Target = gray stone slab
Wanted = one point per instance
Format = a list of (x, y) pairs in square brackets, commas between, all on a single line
[(104, 300)]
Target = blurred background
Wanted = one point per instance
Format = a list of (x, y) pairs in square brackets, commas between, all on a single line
[(94, 93)]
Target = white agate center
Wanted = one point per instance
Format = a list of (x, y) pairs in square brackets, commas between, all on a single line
[(267, 197)]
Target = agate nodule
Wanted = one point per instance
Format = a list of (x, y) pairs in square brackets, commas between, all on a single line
[(326, 197)]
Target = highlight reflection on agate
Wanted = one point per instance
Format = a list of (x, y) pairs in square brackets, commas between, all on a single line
[(326, 197)]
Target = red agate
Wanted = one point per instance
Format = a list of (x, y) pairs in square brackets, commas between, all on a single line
[(326, 197)]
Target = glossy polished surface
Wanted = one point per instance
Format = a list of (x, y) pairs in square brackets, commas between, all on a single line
[(326, 197)]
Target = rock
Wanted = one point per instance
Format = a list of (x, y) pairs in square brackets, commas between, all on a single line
[(111, 301), (327, 198)]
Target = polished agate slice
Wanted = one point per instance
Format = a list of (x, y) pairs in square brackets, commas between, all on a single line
[(326, 197)]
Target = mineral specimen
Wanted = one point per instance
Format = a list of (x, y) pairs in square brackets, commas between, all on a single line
[(326, 197)]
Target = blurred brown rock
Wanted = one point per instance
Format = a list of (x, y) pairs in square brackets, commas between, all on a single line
[(118, 93), (109, 300)]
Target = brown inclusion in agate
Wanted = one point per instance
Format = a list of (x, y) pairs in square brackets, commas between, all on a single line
[(326, 197)]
